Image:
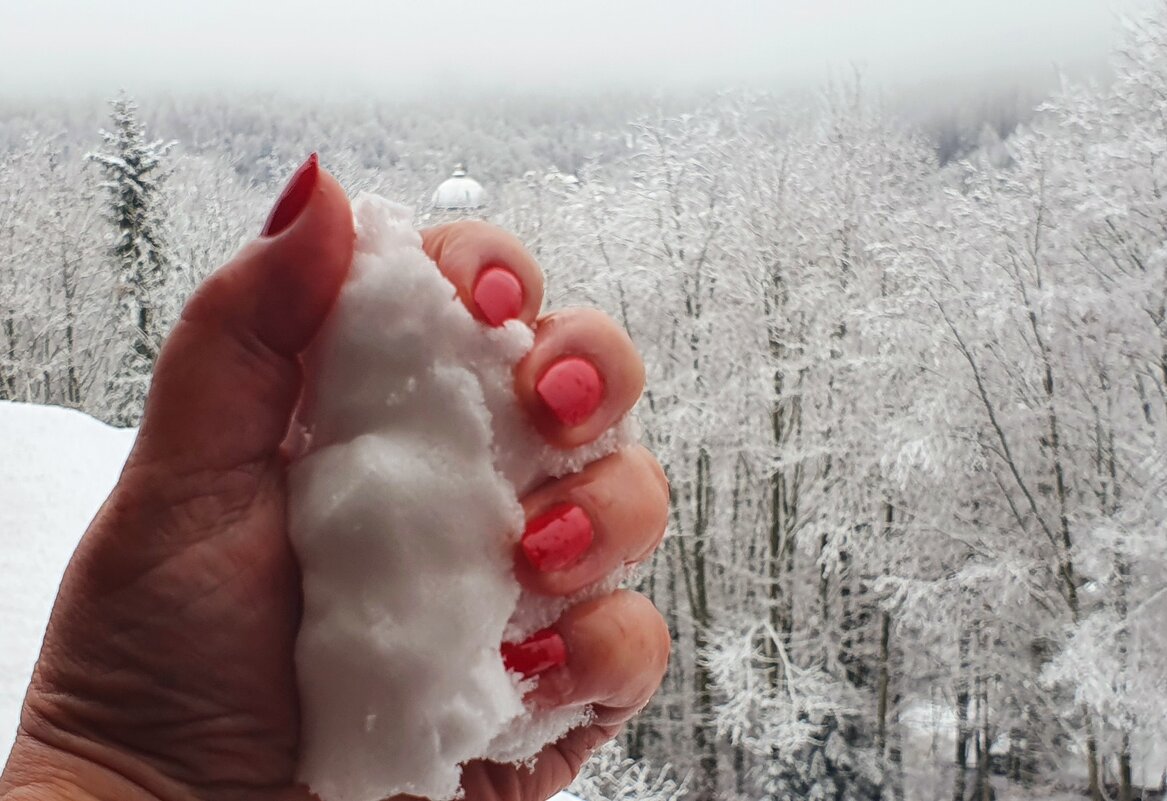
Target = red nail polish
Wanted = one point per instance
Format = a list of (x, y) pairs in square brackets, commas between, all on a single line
[(294, 197), (572, 389), (557, 538), (538, 653), (498, 294)]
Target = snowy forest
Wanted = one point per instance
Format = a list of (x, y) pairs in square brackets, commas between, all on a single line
[(909, 386)]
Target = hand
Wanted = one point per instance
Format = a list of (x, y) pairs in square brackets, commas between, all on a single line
[(167, 670)]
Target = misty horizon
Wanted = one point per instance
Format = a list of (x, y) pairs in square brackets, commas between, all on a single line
[(363, 48)]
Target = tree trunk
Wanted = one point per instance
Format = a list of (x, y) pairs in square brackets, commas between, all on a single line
[(739, 769), (695, 570), (1124, 769), (962, 727), (1094, 785), (8, 377), (778, 544), (895, 754), (706, 744), (985, 764), (984, 740), (825, 604), (884, 682)]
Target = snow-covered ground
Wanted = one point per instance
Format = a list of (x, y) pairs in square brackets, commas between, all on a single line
[(58, 466)]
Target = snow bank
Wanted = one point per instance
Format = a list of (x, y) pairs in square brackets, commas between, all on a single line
[(58, 466)]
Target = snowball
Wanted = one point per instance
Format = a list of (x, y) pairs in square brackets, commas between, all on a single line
[(404, 514)]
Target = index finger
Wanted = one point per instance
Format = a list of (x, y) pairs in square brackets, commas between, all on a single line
[(494, 275)]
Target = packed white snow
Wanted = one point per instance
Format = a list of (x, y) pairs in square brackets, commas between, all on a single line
[(59, 466), (404, 514)]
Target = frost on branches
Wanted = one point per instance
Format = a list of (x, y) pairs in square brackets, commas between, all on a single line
[(611, 776)]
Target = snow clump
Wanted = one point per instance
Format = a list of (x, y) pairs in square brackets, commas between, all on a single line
[(404, 514)]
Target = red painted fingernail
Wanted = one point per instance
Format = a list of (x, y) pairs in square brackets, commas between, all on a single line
[(538, 653), (498, 294), (294, 197), (572, 389), (557, 538)]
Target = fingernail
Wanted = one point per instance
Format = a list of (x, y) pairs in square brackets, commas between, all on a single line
[(557, 538), (538, 653), (294, 197), (572, 389), (498, 294)]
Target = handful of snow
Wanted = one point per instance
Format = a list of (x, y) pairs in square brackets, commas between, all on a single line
[(404, 514)]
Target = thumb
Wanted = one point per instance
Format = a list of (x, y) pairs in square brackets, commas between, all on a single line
[(228, 376)]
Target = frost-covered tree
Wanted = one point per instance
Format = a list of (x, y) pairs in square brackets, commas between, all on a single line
[(1038, 271), (817, 209), (15, 250), (134, 170), (52, 293)]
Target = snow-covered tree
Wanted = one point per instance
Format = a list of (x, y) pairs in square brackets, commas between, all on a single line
[(134, 170)]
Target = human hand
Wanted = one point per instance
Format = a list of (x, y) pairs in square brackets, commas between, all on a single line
[(167, 669)]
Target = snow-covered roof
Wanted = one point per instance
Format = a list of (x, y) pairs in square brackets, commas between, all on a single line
[(459, 191)]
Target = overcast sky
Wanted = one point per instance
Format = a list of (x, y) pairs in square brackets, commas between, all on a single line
[(328, 46)]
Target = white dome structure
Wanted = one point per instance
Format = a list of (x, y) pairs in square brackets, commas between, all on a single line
[(459, 191)]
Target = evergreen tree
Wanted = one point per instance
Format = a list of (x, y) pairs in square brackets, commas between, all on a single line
[(134, 170)]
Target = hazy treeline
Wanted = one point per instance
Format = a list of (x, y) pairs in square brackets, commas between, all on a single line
[(911, 395)]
